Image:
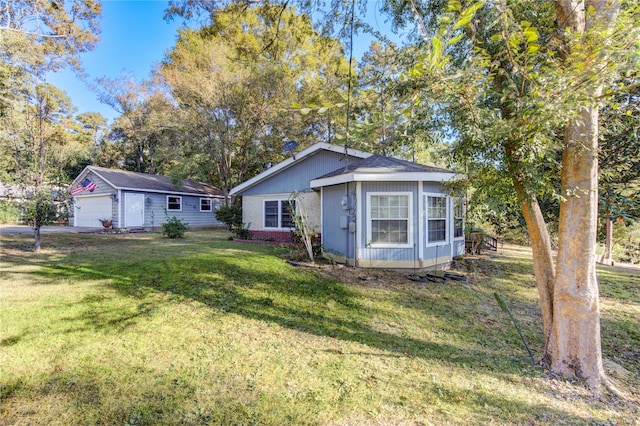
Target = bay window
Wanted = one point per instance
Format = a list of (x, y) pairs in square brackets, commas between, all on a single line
[(389, 219)]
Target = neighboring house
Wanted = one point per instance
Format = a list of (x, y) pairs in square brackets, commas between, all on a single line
[(141, 200), (370, 210)]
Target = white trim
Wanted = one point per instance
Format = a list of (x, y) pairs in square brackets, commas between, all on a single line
[(167, 203), (298, 157), (426, 220), (386, 177), (422, 235), (453, 218), (120, 204), (357, 246), (210, 204), (409, 219), (162, 191), (279, 227), (103, 194), (321, 215)]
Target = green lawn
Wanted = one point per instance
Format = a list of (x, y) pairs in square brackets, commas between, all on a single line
[(139, 329)]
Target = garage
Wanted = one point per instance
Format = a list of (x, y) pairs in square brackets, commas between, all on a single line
[(89, 210)]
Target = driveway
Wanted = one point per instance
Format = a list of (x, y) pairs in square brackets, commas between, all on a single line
[(23, 229)]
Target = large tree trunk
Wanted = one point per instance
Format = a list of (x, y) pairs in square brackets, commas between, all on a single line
[(575, 342), (542, 260)]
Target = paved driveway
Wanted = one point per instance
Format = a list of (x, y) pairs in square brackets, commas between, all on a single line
[(23, 229)]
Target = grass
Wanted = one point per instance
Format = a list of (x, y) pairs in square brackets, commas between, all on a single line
[(140, 329)]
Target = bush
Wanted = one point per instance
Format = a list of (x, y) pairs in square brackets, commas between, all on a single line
[(230, 215), (174, 228), (9, 212), (241, 231), (40, 210)]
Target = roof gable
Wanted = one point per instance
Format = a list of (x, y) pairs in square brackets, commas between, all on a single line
[(295, 160)]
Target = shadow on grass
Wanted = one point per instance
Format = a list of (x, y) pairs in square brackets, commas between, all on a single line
[(262, 290), (259, 287)]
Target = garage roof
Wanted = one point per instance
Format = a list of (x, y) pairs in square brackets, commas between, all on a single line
[(135, 181)]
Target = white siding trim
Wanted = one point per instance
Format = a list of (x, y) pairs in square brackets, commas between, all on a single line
[(386, 177), (426, 220), (421, 224), (409, 243), (357, 247)]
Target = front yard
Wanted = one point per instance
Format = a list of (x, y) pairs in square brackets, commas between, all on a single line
[(139, 329)]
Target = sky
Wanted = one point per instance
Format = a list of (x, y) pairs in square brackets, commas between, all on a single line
[(134, 39)]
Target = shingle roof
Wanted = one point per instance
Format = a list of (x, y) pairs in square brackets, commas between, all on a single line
[(382, 164), (123, 179)]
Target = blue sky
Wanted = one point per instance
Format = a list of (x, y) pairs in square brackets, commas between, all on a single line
[(134, 38)]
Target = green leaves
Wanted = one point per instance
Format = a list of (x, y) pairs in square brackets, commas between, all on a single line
[(467, 15)]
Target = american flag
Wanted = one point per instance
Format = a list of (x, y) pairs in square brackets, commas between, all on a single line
[(86, 185)]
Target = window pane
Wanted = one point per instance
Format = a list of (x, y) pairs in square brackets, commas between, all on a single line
[(174, 203), (458, 230), (205, 205), (389, 231), (285, 216), (437, 207), (437, 230), (271, 214)]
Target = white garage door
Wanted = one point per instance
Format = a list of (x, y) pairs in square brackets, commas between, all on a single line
[(90, 209)]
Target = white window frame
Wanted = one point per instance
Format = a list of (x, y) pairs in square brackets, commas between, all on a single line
[(210, 209), (427, 218), (280, 202), (409, 220), (463, 208), (179, 199)]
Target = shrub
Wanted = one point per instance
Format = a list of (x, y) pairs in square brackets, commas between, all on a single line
[(241, 231), (174, 228), (230, 215), (40, 210), (9, 212)]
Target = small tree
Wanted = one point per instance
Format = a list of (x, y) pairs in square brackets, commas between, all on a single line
[(39, 211), (230, 215)]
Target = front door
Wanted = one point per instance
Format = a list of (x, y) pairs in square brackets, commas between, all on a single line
[(133, 210)]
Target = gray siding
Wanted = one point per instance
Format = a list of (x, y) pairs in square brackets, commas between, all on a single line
[(103, 186), (458, 247), (155, 205), (335, 239), (338, 240), (298, 176), (379, 253), (434, 187)]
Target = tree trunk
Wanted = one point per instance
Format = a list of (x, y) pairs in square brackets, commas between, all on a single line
[(575, 345), (607, 258), (575, 342), (36, 235), (543, 266)]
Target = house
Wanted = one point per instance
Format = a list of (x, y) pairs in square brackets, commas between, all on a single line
[(140, 200), (370, 210)]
